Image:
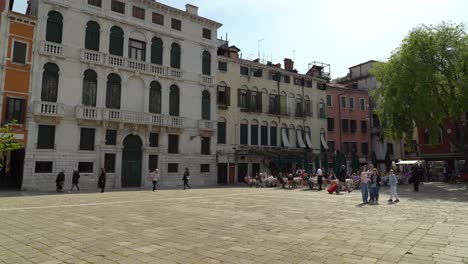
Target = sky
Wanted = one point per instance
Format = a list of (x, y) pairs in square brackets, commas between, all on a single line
[(342, 33)]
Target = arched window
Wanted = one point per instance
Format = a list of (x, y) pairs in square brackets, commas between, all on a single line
[(93, 31), (174, 101), (113, 91), (206, 115), (244, 132), (88, 97), (155, 98), (254, 133), (157, 51), (175, 56), (50, 79), (273, 134), (206, 63), (54, 27), (322, 109), (116, 41), (299, 107)]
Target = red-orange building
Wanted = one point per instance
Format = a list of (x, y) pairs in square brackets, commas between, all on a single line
[(348, 122), (442, 151), (15, 85)]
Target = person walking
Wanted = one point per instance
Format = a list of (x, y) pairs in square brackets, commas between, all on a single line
[(319, 178), (186, 178), (60, 180), (102, 180), (155, 178), (342, 180), (418, 177), (75, 180), (364, 179), (375, 186), (393, 181)]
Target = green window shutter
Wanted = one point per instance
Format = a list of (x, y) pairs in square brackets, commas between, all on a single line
[(154, 140), (89, 88), (46, 137), (206, 105), (50, 78), (152, 162), (54, 27), (259, 102), (111, 137), (87, 137), (228, 96), (92, 36), (113, 91), (157, 51), (116, 41), (155, 98), (174, 101), (206, 63), (175, 56), (221, 133)]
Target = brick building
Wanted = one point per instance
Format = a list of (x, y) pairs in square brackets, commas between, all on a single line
[(348, 122), (18, 31)]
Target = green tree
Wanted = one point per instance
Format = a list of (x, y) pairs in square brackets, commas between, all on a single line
[(424, 84), (7, 140)]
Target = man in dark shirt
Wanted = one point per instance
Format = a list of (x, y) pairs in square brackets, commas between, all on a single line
[(342, 180), (418, 177)]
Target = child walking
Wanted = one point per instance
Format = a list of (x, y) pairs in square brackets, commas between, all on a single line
[(393, 181)]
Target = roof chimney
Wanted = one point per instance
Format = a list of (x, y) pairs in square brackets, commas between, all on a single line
[(191, 9), (288, 64)]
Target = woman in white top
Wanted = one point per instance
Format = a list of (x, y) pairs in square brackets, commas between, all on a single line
[(155, 178), (364, 184)]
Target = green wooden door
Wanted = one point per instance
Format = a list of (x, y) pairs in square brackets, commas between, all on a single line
[(131, 162)]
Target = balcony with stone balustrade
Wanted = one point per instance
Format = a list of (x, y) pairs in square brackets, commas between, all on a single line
[(48, 111), (114, 61), (87, 113), (51, 49)]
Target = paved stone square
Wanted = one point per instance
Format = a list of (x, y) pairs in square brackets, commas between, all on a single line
[(235, 225)]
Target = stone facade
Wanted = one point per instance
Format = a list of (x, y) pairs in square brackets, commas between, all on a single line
[(251, 81), (195, 35)]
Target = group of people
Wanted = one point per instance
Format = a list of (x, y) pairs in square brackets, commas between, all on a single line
[(370, 182), (155, 175), (60, 180)]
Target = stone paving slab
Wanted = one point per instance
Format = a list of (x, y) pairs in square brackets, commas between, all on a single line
[(235, 225)]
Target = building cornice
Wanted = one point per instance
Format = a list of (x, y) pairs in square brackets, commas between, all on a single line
[(173, 10), (12, 15), (269, 68)]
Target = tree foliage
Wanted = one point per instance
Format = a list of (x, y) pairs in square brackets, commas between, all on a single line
[(424, 83), (7, 139)]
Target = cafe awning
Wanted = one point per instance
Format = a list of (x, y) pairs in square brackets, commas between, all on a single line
[(300, 140)]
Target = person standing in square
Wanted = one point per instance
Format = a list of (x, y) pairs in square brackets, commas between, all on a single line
[(186, 178)]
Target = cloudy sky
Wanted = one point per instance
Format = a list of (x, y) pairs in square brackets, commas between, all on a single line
[(340, 32)]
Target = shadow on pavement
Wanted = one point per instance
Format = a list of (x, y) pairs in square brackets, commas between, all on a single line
[(435, 191)]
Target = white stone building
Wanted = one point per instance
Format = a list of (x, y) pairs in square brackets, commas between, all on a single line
[(269, 119), (121, 85)]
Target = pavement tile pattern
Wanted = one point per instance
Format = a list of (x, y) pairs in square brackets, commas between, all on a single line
[(235, 225)]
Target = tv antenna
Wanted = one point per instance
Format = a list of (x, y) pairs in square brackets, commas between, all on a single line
[(258, 46)]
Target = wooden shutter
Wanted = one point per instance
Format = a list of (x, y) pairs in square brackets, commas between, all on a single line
[(54, 27), (228, 96), (19, 52), (116, 41), (46, 137), (92, 36), (87, 138), (157, 51)]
